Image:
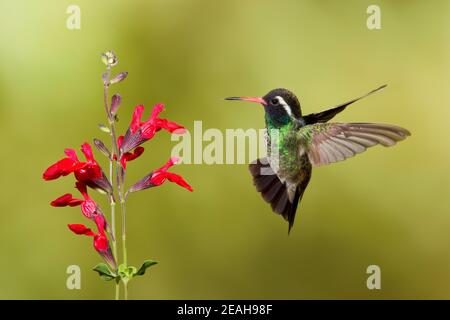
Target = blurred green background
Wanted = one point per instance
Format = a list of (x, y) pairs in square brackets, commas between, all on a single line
[(388, 207)]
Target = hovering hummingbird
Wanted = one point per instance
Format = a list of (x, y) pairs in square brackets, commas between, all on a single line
[(297, 143)]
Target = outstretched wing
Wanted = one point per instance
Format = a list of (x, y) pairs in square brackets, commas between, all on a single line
[(326, 143), (327, 115)]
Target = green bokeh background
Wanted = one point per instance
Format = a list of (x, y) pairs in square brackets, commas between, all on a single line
[(388, 207)]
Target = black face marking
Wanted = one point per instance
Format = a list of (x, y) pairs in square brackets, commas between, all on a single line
[(282, 105), (275, 101)]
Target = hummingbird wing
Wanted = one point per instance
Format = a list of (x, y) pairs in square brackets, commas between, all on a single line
[(276, 192), (327, 115), (326, 143)]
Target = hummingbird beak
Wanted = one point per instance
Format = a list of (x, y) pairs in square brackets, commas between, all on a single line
[(249, 99)]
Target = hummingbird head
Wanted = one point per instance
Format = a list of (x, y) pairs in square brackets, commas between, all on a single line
[(281, 106)]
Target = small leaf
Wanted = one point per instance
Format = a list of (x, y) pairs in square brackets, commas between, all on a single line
[(103, 128), (126, 273), (121, 268), (145, 265), (104, 272), (131, 271)]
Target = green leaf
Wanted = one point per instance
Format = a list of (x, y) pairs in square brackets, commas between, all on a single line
[(145, 265), (126, 273), (104, 272), (122, 268)]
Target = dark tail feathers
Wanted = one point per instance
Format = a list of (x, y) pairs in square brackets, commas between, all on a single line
[(274, 191)]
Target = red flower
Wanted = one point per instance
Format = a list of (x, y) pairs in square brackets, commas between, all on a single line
[(159, 176), (89, 207), (101, 243), (88, 172), (128, 156), (141, 131), (61, 168), (91, 170), (81, 229), (66, 200)]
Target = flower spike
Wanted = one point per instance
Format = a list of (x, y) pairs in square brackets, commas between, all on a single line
[(88, 173)]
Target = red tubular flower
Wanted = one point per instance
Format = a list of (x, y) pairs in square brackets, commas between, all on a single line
[(81, 229), (91, 170), (66, 200), (141, 131), (88, 172), (101, 243), (89, 207), (128, 156), (159, 176), (61, 168)]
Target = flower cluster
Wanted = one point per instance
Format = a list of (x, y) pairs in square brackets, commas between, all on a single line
[(89, 174)]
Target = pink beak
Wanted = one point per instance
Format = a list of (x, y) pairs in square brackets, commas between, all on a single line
[(249, 99)]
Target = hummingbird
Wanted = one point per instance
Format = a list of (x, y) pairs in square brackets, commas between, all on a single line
[(297, 143)]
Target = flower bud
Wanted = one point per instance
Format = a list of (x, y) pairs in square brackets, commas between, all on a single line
[(102, 148), (120, 77), (110, 59), (115, 103)]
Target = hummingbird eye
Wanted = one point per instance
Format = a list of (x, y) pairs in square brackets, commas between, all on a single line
[(274, 101)]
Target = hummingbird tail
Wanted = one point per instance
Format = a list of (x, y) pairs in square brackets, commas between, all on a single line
[(276, 192)]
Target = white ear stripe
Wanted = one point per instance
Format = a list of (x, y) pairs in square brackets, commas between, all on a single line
[(285, 106)]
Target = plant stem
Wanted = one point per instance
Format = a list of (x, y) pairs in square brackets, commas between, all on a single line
[(113, 221), (120, 188), (117, 297), (125, 289), (120, 182), (124, 232), (111, 176), (113, 227)]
